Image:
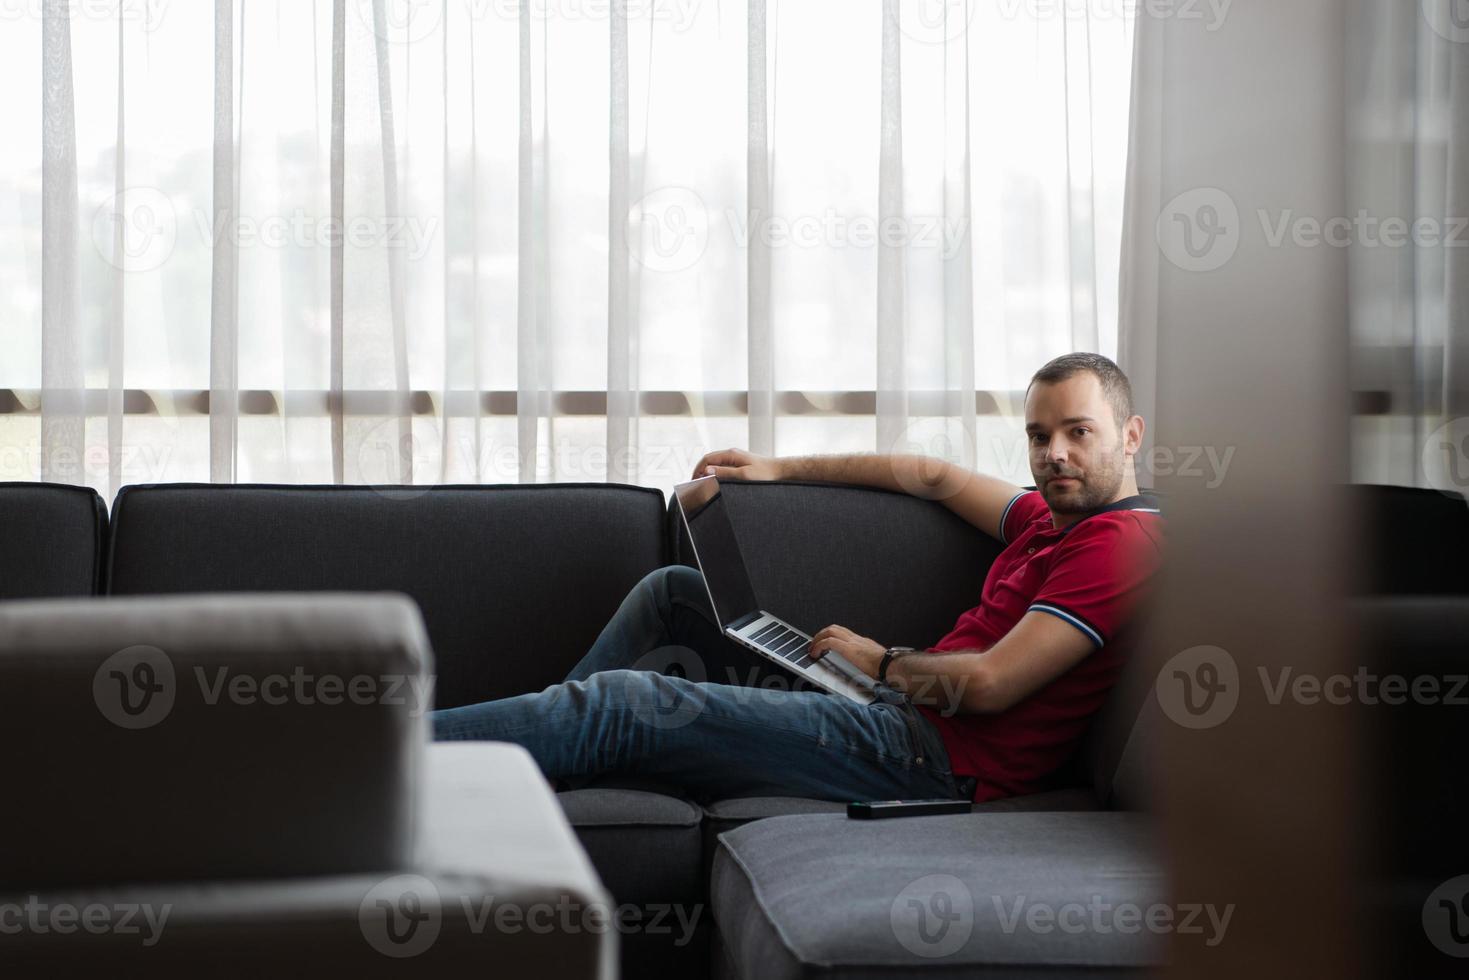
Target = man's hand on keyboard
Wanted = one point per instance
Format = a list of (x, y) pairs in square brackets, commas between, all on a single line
[(863, 653)]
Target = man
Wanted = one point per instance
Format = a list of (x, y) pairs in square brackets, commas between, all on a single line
[(992, 710)]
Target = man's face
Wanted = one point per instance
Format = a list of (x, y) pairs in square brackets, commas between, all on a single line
[(1078, 453)]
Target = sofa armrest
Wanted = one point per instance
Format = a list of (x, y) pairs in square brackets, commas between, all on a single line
[(500, 886), (206, 737)]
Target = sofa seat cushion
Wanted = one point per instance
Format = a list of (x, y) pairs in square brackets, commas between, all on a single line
[(645, 846), (647, 849), (726, 815), (966, 895)]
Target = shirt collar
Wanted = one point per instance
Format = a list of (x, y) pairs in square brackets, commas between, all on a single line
[(1141, 501)]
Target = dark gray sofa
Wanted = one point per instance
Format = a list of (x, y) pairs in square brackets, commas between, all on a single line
[(515, 582)]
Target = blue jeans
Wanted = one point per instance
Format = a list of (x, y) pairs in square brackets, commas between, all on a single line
[(664, 694)]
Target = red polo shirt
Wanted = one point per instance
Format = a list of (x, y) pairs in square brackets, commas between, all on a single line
[(1090, 574)]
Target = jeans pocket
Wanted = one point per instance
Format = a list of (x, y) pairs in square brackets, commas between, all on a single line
[(919, 752)]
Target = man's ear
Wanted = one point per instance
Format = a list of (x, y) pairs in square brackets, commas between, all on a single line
[(1132, 435)]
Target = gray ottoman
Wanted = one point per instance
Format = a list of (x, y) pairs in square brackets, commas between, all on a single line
[(990, 894)]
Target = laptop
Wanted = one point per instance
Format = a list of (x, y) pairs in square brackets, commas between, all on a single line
[(717, 552)]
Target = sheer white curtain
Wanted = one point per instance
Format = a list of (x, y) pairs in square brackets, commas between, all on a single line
[(423, 241), (1409, 115)]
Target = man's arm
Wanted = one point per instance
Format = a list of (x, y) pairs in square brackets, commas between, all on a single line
[(1039, 649), (978, 499)]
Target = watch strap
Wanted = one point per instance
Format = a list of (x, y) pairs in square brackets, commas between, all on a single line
[(888, 656)]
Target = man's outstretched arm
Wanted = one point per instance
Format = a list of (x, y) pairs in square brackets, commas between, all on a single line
[(1036, 651), (978, 499)]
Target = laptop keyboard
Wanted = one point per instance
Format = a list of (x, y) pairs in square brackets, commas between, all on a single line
[(785, 643)]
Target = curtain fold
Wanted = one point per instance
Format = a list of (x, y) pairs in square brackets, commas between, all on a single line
[(892, 387), (224, 290), (402, 243), (759, 161), (621, 346), (1137, 333), (63, 407)]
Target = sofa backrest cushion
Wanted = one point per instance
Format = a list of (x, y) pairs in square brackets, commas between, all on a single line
[(514, 582), (1416, 540), (887, 565), (1114, 758), (51, 540)]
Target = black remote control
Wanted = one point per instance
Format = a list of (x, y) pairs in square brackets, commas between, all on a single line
[(882, 809)]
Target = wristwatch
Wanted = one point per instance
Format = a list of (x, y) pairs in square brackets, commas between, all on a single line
[(888, 656)]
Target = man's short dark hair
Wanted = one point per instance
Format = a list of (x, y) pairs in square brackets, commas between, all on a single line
[(1114, 383)]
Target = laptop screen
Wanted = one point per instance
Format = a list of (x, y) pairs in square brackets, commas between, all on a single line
[(718, 553)]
